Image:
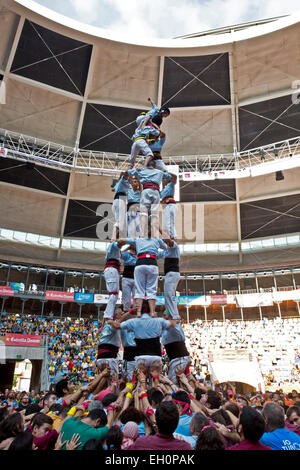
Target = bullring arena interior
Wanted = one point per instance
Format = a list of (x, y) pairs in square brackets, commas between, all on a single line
[(69, 98)]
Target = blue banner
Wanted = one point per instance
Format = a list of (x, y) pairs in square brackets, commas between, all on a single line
[(16, 285), (82, 297), (160, 300)]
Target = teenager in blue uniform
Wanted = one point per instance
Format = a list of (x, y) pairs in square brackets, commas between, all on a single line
[(147, 332), (156, 147), (133, 208), (169, 207), (108, 347), (129, 262), (146, 270), (119, 205), (112, 276), (150, 179), (172, 276), (140, 145), (173, 340), (157, 114)]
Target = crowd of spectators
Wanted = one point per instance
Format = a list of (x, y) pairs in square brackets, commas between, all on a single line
[(88, 409)]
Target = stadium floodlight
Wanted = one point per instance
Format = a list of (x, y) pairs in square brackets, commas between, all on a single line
[(279, 176)]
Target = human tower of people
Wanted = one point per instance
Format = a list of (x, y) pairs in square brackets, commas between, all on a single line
[(139, 242)]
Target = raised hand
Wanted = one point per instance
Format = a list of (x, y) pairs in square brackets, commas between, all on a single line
[(74, 442)]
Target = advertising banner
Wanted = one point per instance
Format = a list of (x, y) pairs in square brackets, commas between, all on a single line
[(264, 299), (103, 298), (218, 299), (58, 295), (82, 297), (12, 339), (281, 296), (7, 291), (17, 285)]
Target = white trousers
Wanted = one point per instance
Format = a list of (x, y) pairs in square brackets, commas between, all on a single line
[(112, 279), (146, 281), (168, 219), (139, 146), (128, 369), (119, 212), (112, 363), (171, 280), (177, 366), (148, 362), (128, 290), (133, 224), (149, 201)]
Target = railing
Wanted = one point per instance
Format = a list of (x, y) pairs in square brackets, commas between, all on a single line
[(22, 147)]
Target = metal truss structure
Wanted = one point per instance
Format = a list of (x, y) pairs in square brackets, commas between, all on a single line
[(235, 165)]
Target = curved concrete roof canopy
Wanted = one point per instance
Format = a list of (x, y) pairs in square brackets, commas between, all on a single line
[(75, 84)]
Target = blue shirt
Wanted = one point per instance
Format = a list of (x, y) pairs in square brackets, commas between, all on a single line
[(168, 190), (172, 252), (128, 338), (281, 439), (110, 335), (157, 145), (149, 175), (113, 251), (133, 196), (147, 245), (173, 335), (146, 327), (184, 425), (128, 258), (145, 132), (122, 186)]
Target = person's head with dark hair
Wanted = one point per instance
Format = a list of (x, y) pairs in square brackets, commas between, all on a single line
[(164, 112), (209, 439), (293, 415), (41, 425), (23, 441), (233, 408), (11, 426), (108, 399), (198, 392), (93, 444), (131, 414), (32, 408), (155, 397), (242, 400), (198, 422), (251, 424), (96, 418), (183, 402), (49, 400), (167, 417), (221, 417), (274, 416), (211, 400), (157, 120), (64, 387), (4, 412), (114, 438)]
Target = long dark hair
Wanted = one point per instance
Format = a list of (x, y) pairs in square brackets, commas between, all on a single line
[(209, 439), (114, 438)]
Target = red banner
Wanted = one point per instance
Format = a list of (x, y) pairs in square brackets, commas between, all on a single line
[(218, 299), (6, 290), (12, 339), (63, 296)]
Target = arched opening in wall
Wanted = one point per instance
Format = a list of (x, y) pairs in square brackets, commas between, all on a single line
[(241, 387), (22, 375)]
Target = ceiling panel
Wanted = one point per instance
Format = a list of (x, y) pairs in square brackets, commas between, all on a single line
[(48, 57), (108, 128), (196, 81), (268, 122), (33, 176), (217, 190), (9, 24), (124, 75), (82, 220), (276, 216)]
